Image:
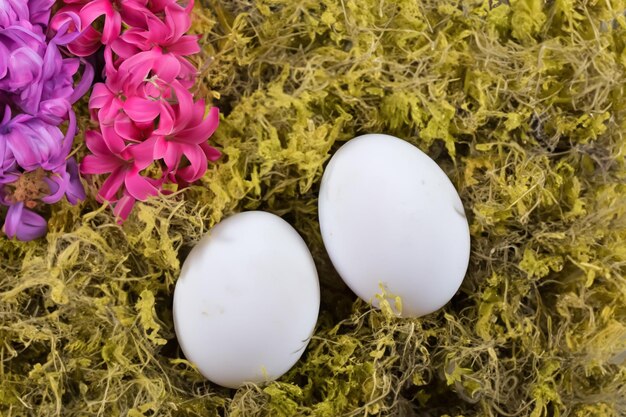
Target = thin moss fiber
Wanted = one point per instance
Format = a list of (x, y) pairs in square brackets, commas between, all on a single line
[(521, 102)]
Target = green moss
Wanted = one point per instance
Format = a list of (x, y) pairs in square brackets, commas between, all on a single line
[(520, 102)]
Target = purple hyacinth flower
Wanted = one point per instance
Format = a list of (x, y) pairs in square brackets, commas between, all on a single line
[(37, 90), (34, 143)]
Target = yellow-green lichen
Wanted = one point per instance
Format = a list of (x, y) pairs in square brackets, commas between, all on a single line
[(520, 102)]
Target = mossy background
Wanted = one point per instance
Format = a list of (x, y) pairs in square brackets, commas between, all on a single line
[(521, 103)]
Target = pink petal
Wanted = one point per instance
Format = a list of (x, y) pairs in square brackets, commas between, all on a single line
[(87, 43), (95, 143), (173, 154), (186, 45), (177, 20), (137, 67), (197, 164), (94, 9), (138, 186), (126, 129), (200, 133), (124, 207), (167, 67), (125, 48), (135, 13), (113, 141), (160, 147), (143, 153), (186, 105), (157, 30), (112, 28), (166, 122), (141, 109), (211, 153), (111, 185), (100, 96), (99, 164)]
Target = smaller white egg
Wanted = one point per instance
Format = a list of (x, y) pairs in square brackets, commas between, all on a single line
[(247, 300), (390, 217)]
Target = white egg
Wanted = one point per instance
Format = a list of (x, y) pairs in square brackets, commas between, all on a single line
[(390, 216), (247, 300)]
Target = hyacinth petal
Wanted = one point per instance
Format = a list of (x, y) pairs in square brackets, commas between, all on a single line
[(173, 155), (95, 143), (137, 67), (40, 11), (178, 21), (57, 183), (33, 143), (112, 184), (52, 60), (135, 14), (13, 11), (186, 106), (112, 28), (167, 121), (75, 191), (141, 109), (143, 153), (100, 96), (201, 132), (93, 10), (185, 46), (6, 115), (23, 223), (24, 66), (68, 140), (157, 30), (167, 67), (211, 153), (124, 207), (115, 144), (4, 66), (85, 83), (139, 187), (93, 164), (126, 129), (160, 147), (197, 164), (68, 27), (87, 43), (124, 48)]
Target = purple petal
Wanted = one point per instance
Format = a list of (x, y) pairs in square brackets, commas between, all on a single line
[(24, 224), (24, 68), (39, 11), (58, 185), (75, 191), (84, 84)]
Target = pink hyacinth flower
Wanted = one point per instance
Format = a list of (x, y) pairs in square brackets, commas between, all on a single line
[(169, 34), (176, 138), (132, 12), (123, 162)]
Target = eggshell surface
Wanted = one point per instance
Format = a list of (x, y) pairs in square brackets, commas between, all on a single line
[(247, 300), (390, 217)]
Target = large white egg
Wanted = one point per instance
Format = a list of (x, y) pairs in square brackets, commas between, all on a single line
[(247, 300), (390, 216)]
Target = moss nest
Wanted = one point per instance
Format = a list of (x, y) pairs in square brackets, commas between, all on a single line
[(521, 102)]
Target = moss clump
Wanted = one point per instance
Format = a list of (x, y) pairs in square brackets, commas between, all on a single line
[(521, 103)]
